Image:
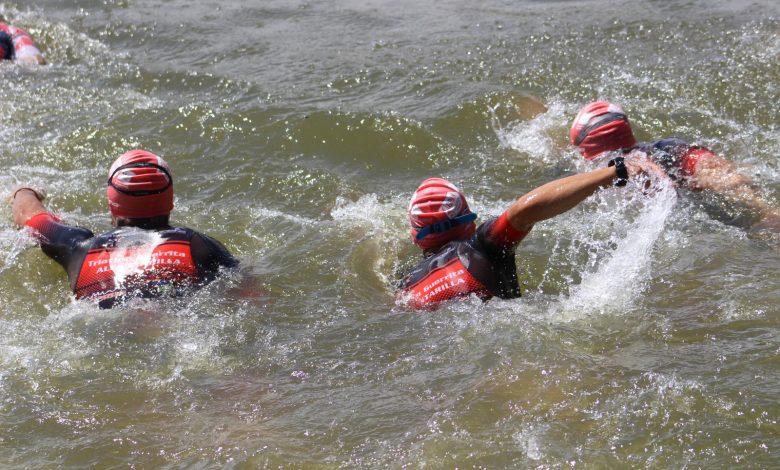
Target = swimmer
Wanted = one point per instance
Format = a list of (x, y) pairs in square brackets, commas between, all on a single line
[(143, 256), (601, 131), (16, 44), (461, 258)]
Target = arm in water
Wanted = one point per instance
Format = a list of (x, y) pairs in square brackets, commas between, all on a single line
[(561, 195), (721, 176)]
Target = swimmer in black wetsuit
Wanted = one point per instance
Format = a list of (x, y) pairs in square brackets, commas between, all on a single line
[(143, 256), (601, 131), (461, 259)]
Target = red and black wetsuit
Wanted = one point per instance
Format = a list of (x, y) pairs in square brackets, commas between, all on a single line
[(128, 261), (483, 265), (676, 156)]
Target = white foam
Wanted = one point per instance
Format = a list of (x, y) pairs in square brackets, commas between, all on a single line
[(367, 210), (266, 213), (533, 136), (13, 243), (133, 253), (529, 439), (623, 264)]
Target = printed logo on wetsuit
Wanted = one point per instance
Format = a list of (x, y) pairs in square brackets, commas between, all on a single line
[(138, 268), (449, 280)]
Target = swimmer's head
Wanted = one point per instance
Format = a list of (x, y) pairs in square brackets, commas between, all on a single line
[(601, 127), (6, 46), (439, 213), (140, 186)]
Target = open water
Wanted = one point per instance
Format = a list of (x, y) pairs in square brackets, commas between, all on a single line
[(649, 332)]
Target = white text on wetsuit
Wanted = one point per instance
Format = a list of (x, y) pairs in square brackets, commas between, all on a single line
[(451, 279), (163, 258)]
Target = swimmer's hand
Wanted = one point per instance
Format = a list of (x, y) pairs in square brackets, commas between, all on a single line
[(25, 203), (39, 194), (36, 59), (647, 174), (528, 106)]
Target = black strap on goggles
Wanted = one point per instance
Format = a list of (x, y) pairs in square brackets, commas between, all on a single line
[(602, 120), (141, 165)]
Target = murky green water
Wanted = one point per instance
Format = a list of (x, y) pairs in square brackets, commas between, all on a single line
[(648, 333)]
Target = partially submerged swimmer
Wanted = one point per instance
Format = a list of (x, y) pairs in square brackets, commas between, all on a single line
[(601, 131), (461, 258), (16, 44), (144, 256)]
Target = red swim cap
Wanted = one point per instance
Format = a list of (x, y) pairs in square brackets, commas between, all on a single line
[(140, 186), (600, 127), (439, 213)]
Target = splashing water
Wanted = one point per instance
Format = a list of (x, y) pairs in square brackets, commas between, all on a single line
[(620, 278), (13, 243), (533, 137), (134, 252), (298, 150), (366, 211)]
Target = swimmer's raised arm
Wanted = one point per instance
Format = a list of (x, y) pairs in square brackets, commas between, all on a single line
[(561, 195)]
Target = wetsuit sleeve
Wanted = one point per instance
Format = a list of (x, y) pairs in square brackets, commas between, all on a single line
[(498, 235), (59, 241), (209, 254)]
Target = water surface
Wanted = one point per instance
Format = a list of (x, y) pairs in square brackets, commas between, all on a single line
[(648, 333)]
